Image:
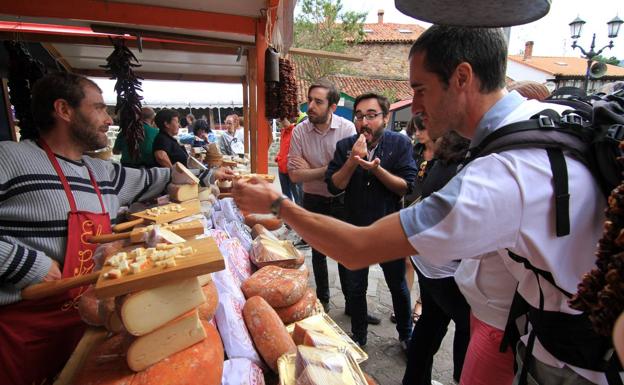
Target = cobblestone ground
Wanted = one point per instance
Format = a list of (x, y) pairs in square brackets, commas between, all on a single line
[(386, 362)]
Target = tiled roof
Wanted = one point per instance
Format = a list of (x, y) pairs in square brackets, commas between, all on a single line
[(561, 65), (354, 86), (391, 33)]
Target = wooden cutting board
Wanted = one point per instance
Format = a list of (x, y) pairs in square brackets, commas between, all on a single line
[(207, 259), (191, 207)]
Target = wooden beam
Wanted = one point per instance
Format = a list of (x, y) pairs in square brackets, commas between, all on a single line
[(253, 115), (182, 37), (131, 14), (246, 113), (263, 132), (57, 55), (169, 76), (323, 54), (130, 42)]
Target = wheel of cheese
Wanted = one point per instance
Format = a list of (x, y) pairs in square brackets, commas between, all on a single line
[(279, 287), (110, 371), (208, 309), (88, 308), (202, 363), (370, 380), (300, 310), (267, 331), (258, 229), (268, 221)]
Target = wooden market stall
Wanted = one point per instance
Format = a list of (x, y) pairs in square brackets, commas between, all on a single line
[(189, 40)]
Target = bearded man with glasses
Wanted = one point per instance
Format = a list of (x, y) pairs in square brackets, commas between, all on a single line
[(375, 169)]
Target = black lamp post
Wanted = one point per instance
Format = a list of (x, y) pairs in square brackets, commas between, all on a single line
[(576, 26)]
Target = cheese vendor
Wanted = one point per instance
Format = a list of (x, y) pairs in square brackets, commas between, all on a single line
[(51, 198)]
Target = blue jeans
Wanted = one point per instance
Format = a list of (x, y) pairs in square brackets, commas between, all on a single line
[(290, 189), (357, 283)]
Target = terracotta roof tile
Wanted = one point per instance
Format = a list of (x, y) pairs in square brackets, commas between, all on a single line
[(561, 65), (391, 33), (354, 86)]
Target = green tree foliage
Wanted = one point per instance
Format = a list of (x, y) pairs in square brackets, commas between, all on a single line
[(322, 25), (612, 60)]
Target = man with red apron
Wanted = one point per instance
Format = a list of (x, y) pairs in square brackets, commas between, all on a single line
[(39, 335)]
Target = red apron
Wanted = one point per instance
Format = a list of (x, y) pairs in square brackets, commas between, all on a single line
[(38, 336)]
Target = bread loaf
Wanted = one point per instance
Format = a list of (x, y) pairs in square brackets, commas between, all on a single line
[(279, 287), (267, 331), (300, 310), (147, 310), (161, 343)]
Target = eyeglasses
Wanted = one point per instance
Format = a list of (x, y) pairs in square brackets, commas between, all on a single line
[(370, 116)]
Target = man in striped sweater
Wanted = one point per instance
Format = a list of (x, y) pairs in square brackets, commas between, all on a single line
[(44, 185)]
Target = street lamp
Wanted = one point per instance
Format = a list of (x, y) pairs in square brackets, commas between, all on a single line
[(576, 27)]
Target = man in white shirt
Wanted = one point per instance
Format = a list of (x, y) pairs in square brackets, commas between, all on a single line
[(499, 204)]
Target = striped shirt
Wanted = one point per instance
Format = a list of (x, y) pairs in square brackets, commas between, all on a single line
[(34, 207)]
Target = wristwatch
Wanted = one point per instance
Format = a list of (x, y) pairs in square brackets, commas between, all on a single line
[(276, 205)]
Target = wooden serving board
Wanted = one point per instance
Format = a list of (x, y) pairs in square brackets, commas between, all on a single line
[(207, 259), (191, 207)]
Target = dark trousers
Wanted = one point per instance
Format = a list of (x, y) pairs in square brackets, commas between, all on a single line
[(290, 189), (441, 302), (357, 283), (333, 207)]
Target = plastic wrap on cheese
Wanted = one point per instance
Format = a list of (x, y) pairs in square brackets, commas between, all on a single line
[(241, 371), (236, 259), (321, 331), (266, 251), (319, 366), (236, 339)]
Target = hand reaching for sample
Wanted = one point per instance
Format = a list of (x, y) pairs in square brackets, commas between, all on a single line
[(54, 273), (359, 148), (223, 173), (366, 165), (254, 195), (300, 163)]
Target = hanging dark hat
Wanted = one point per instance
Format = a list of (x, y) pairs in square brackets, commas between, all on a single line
[(475, 13)]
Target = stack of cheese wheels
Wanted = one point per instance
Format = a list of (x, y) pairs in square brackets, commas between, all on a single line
[(185, 185), (166, 319), (285, 290), (201, 363)]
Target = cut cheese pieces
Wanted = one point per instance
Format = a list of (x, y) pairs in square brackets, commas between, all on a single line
[(171, 338), (182, 192), (208, 309), (170, 237), (182, 175), (147, 310)]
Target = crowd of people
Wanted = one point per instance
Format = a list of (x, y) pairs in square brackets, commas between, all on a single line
[(473, 232), (480, 234)]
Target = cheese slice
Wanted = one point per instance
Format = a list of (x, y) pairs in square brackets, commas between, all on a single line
[(160, 344), (205, 193), (182, 175), (147, 310), (170, 237), (204, 279), (182, 192)]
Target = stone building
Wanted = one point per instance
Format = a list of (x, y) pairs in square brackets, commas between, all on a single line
[(384, 50)]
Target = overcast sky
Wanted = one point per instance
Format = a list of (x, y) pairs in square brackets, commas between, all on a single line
[(551, 34)]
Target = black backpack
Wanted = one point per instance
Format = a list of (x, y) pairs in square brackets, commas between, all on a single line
[(590, 131)]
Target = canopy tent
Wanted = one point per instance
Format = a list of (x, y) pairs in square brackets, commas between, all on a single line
[(160, 93), (190, 40)]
